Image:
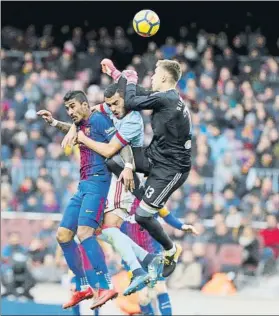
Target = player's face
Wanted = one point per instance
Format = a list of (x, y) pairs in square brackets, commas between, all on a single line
[(158, 78), (76, 110), (116, 104)]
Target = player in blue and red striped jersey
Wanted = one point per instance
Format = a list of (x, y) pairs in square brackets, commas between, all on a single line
[(84, 213)]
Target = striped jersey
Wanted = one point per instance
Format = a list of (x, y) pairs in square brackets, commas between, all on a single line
[(99, 128)]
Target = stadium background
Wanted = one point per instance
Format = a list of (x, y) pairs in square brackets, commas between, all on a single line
[(235, 159)]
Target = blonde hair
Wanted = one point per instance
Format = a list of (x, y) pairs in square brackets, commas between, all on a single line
[(172, 67)]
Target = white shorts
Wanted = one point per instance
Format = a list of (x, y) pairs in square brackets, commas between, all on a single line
[(118, 201)]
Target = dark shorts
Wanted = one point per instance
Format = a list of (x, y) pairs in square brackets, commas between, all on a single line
[(161, 180)]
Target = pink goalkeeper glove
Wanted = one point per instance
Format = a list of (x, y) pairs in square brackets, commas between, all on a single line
[(131, 76), (109, 69)]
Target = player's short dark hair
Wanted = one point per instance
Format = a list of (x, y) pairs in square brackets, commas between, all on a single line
[(110, 90), (78, 95), (172, 67)]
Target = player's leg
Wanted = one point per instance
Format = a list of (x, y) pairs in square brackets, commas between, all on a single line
[(71, 251), (163, 298), (90, 218), (160, 184), (111, 230), (145, 301), (125, 248), (118, 204)]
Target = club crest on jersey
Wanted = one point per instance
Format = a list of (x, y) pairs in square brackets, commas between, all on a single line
[(87, 131)]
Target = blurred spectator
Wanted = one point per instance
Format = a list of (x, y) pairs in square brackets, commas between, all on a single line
[(188, 273), (251, 248), (270, 236), (222, 235), (13, 246), (15, 274)]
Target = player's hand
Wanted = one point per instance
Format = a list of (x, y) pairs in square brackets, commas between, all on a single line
[(128, 179), (190, 229), (46, 115), (69, 140), (131, 76), (109, 69), (80, 137)]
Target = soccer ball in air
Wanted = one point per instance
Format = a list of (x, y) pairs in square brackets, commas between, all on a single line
[(146, 23)]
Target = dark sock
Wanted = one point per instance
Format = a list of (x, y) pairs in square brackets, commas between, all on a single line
[(164, 304), (156, 230), (73, 258), (149, 257), (96, 257), (138, 272), (147, 309)]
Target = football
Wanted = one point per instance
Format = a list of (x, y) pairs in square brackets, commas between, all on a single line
[(146, 23)]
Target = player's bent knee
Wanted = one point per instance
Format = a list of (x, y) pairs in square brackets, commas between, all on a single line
[(84, 232), (64, 235), (146, 210), (112, 220)]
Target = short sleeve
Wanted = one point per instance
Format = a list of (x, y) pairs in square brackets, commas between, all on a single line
[(130, 130)]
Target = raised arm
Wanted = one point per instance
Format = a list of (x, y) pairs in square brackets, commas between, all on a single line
[(143, 102), (48, 118), (173, 221)]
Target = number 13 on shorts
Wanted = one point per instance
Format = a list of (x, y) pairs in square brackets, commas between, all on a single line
[(149, 192)]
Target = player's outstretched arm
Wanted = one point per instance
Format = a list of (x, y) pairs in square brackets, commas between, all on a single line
[(109, 69), (48, 118), (173, 221), (135, 102)]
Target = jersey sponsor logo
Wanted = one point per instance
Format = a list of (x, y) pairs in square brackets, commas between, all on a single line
[(110, 130), (87, 131), (89, 211)]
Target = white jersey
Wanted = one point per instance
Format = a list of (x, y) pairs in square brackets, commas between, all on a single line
[(118, 199), (130, 130)]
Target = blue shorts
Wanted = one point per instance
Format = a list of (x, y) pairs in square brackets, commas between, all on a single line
[(86, 207)]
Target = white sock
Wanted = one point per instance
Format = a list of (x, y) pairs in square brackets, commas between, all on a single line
[(139, 252), (122, 244), (171, 251)]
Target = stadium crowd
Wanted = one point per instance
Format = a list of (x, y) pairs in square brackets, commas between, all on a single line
[(233, 92)]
